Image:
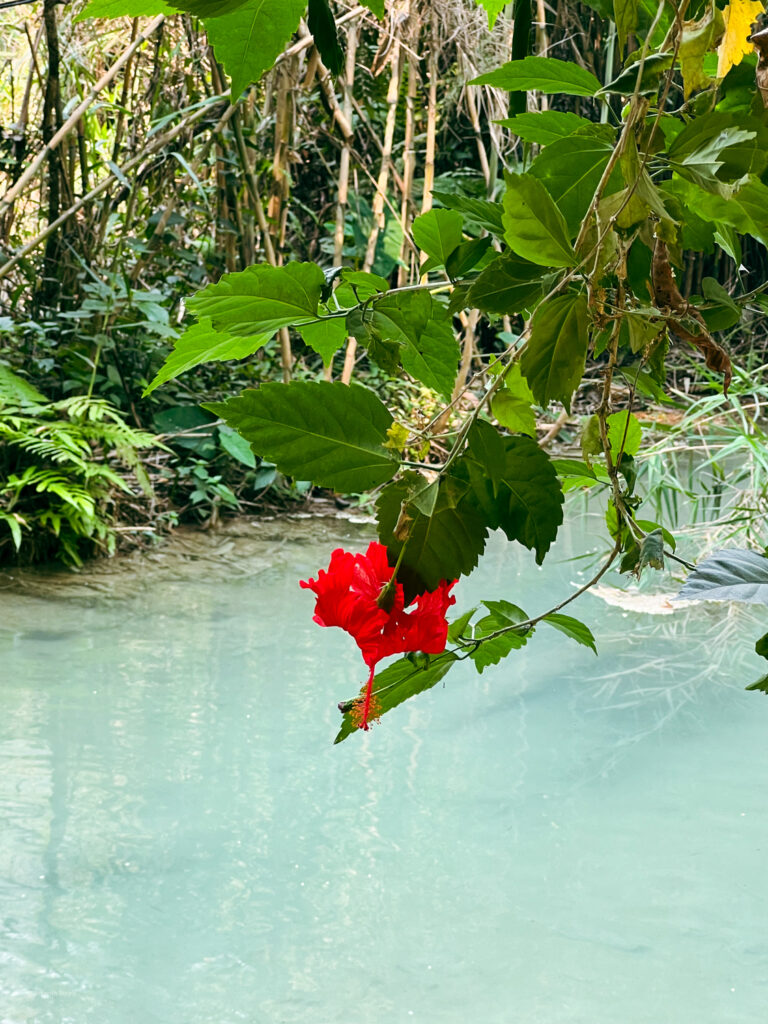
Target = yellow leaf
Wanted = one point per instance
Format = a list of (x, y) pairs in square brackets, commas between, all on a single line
[(738, 16), (397, 435)]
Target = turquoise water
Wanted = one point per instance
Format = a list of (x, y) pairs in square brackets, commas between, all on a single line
[(562, 839)]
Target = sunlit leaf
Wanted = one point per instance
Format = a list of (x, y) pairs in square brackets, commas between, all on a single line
[(738, 17)]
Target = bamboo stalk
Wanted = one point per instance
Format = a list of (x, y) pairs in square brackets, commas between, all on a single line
[(429, 155), (409, 154), (342, 196), (393, 92), (77, 113), (157, 143)]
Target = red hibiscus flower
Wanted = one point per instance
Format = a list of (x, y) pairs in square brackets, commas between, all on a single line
[(358, 594)]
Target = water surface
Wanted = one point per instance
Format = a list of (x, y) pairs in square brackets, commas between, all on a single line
[(562, 839)]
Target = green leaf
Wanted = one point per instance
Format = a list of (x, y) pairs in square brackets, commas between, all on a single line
[(731, 574), (485, 214), (438, 233), (359, 286), (468, 255), (502, 616), (208, 8), (457, 628), (248, 40), (396, 684), (573, 628), (261, 299), (654, 67), (507, 285), (545, 126), (124, 9), (441, 546), (553, 362), (534, 227), (511, 405), (328, 433), (515, 485), (546, 74), (322, 25), (624, 433), (625, 17), (236, 446), (17, 390), (377, 6), (760, 684), (14, 523), (325, 336), (201, 343), (571, 169), (428, 348), (494, 9)]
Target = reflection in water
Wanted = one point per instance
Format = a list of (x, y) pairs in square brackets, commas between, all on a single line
[(562, 839)]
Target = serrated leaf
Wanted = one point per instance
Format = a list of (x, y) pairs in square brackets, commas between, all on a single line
[(201, 343), (571, 169), (442, 546), (438, 233), (738, 16), (515, 485), (458, 626), (261, 299), (511, 405), (553, 362), (483, 213), (731, 574), (248, 40), (546, 74), (396, 684), (322, 26), (573, 628), (428, 348), (325, 336), (328, 433), (545, 126), (534, 227), (502, 615), (507, 285), (468, 255), (760, 684)]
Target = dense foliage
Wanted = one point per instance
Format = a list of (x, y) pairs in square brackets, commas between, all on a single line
[(585, 258)]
